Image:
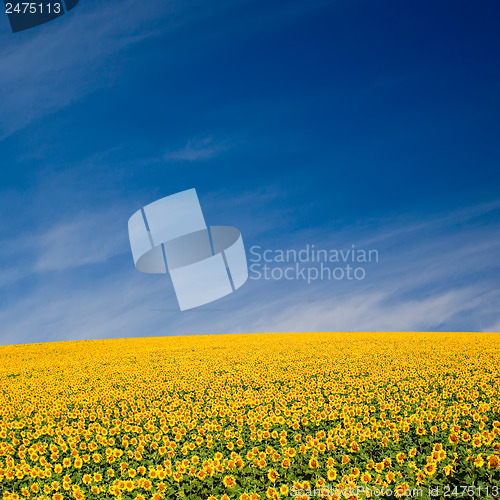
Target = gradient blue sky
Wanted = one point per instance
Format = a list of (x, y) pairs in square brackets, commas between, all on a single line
[(322, 122)]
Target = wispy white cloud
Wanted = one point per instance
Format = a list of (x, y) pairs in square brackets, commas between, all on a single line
[(88, 238), (46, 69), (114, 306), (76, 240), (373, 311), (263, 211), (413, 223), (437, 273), (57, 64), (493, 327), (196, 150), (61, 62), (433, 282)]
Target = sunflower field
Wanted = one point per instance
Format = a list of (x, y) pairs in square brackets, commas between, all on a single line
[(241, 417)]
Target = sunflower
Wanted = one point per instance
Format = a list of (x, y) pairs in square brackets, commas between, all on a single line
[(479, 461), (366, 477), (272, 475), (229, 481), (430, 469), (331, 474)]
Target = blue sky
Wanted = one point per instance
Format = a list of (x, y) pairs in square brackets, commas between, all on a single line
[(330, 123)]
